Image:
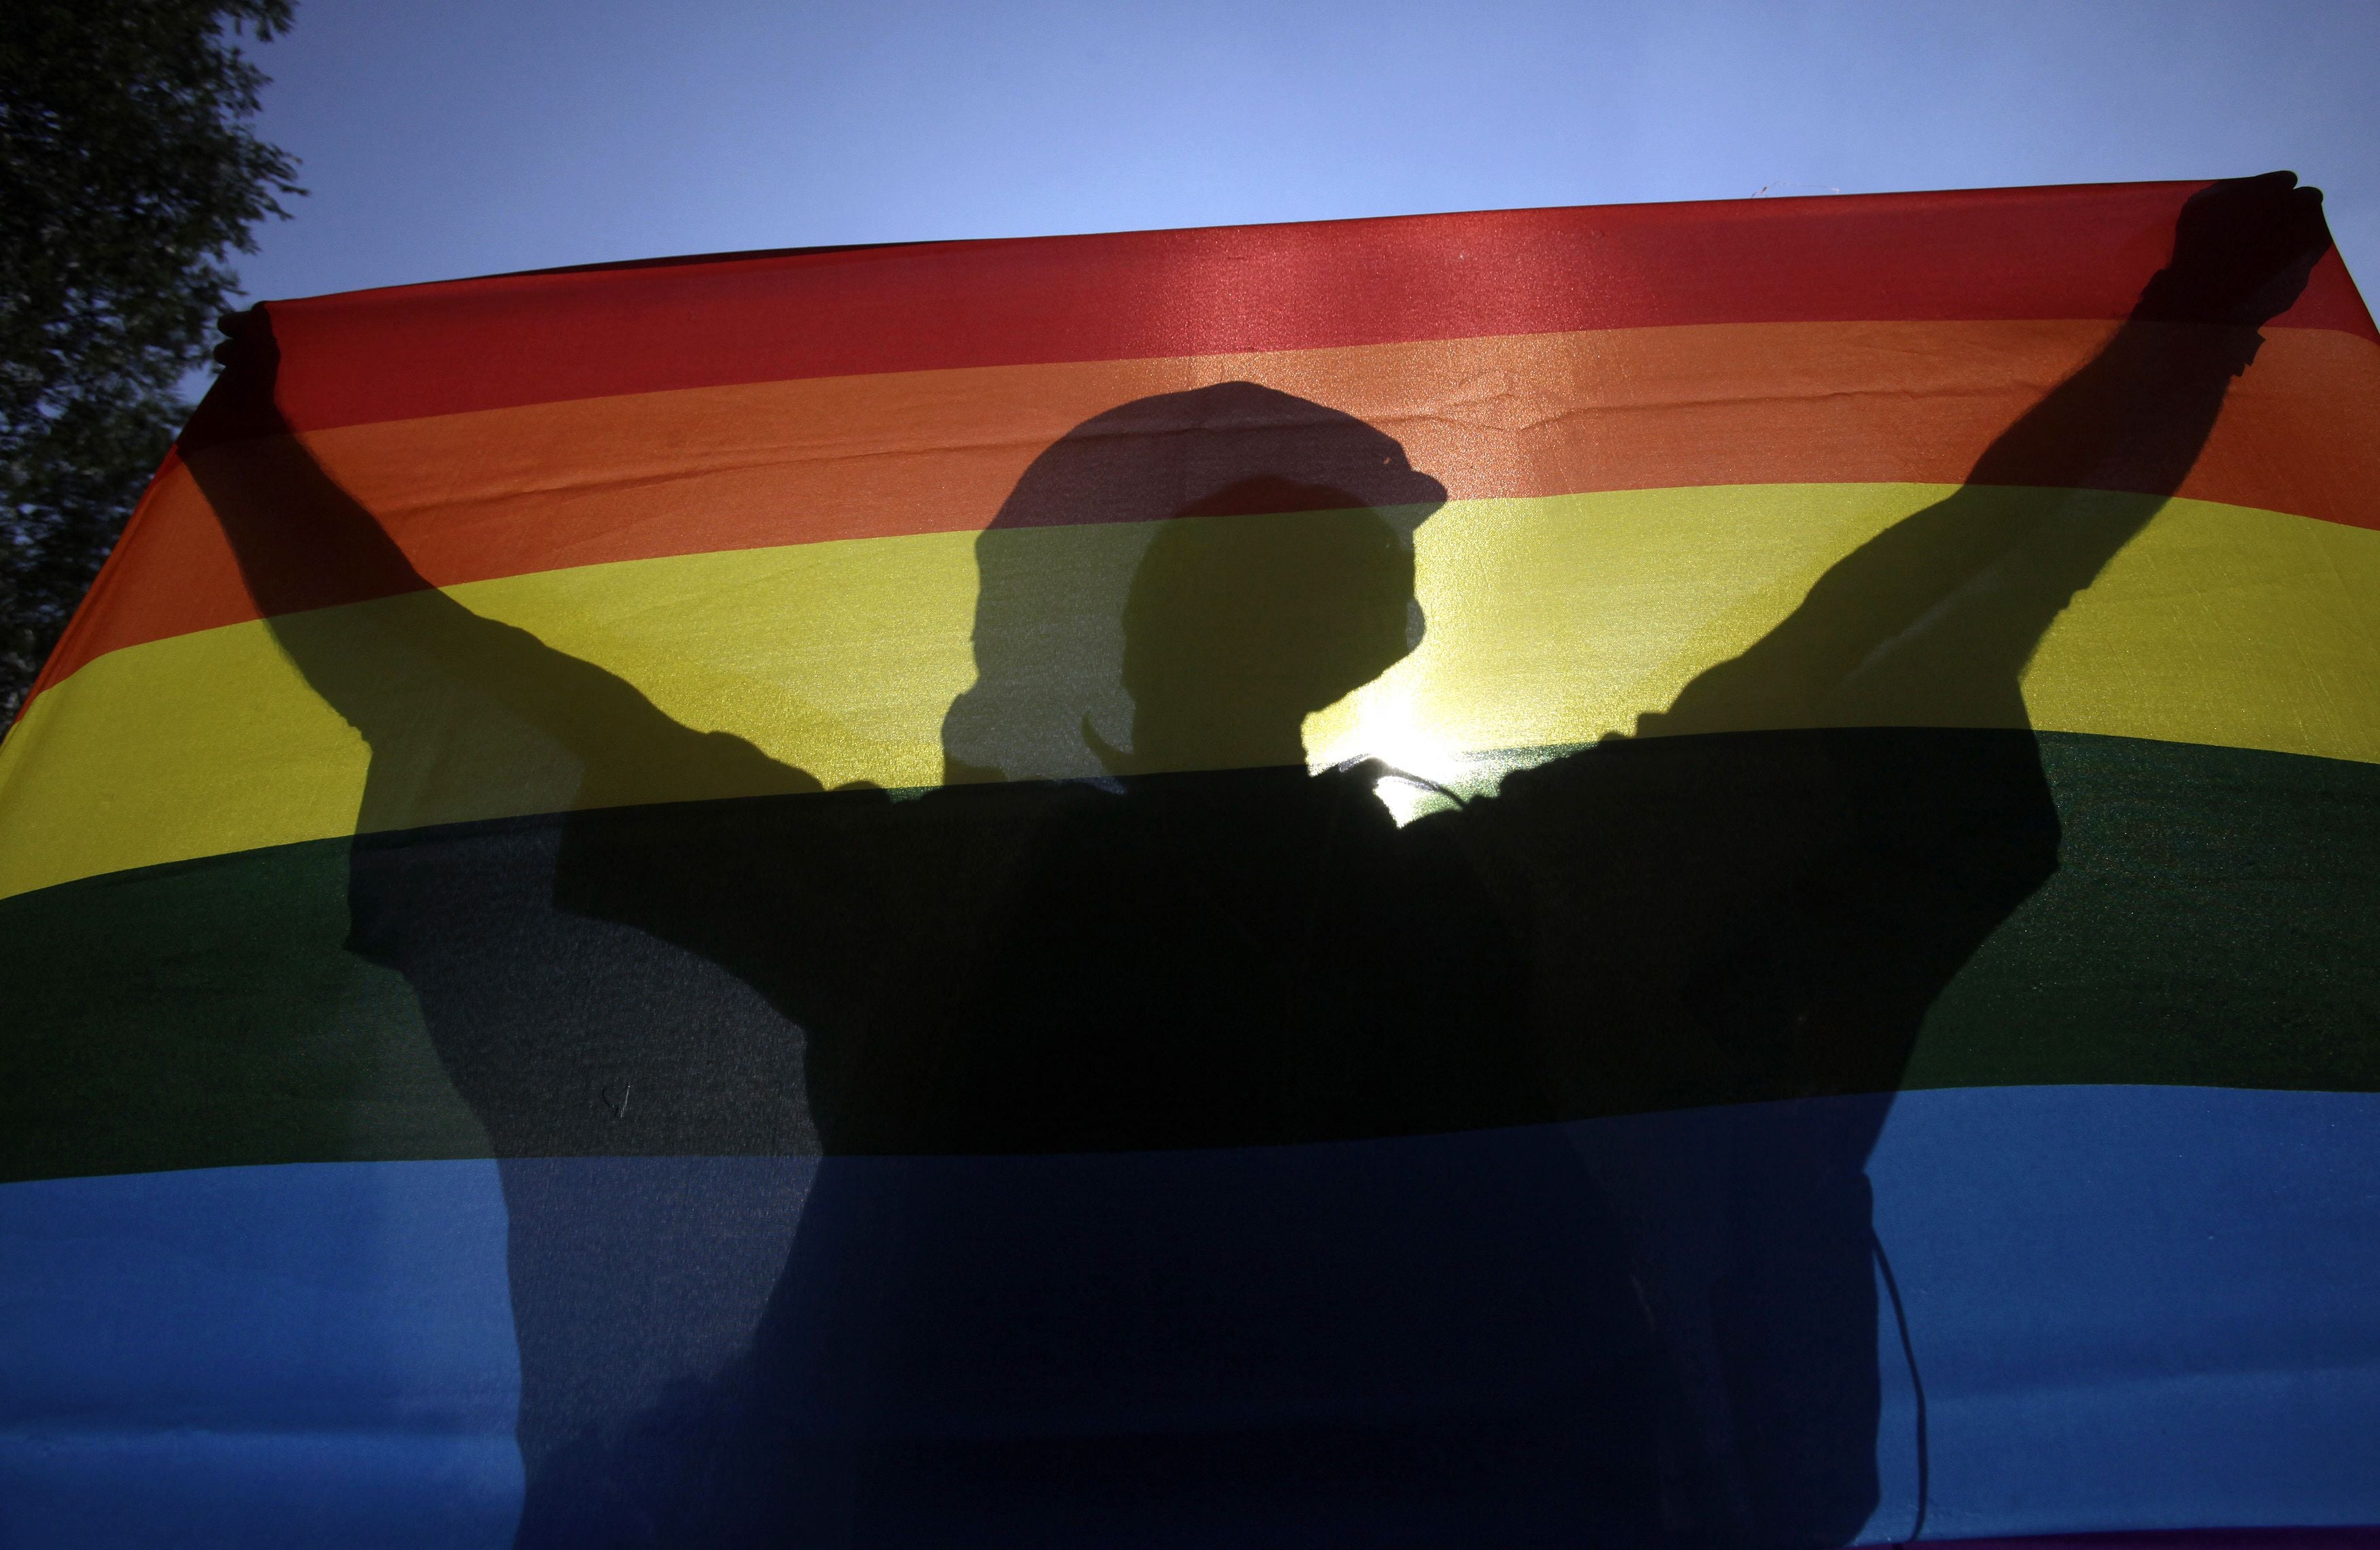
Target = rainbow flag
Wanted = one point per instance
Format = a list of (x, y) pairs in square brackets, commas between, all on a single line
[(1696, 874)]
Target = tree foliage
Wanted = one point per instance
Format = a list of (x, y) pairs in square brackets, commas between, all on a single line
[(129, 173)]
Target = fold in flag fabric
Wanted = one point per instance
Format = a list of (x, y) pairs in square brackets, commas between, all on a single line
[(1695, 875)]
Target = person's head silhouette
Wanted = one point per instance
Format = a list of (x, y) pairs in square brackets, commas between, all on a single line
[(1188, 576), (1234, 631)]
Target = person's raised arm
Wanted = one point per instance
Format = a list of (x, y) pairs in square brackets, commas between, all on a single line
[(1933, 620), (302, 542)]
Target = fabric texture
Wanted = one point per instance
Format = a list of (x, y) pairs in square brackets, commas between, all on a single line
[(1676, 875)]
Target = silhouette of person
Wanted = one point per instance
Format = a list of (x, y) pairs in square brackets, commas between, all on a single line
[(1131, 921)]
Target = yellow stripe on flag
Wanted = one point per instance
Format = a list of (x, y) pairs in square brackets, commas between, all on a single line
[(1550, 622)]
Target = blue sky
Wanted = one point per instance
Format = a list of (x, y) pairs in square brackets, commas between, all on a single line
[(442, 138)]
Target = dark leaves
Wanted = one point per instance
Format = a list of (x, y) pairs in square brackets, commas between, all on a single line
[(129, 173)]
